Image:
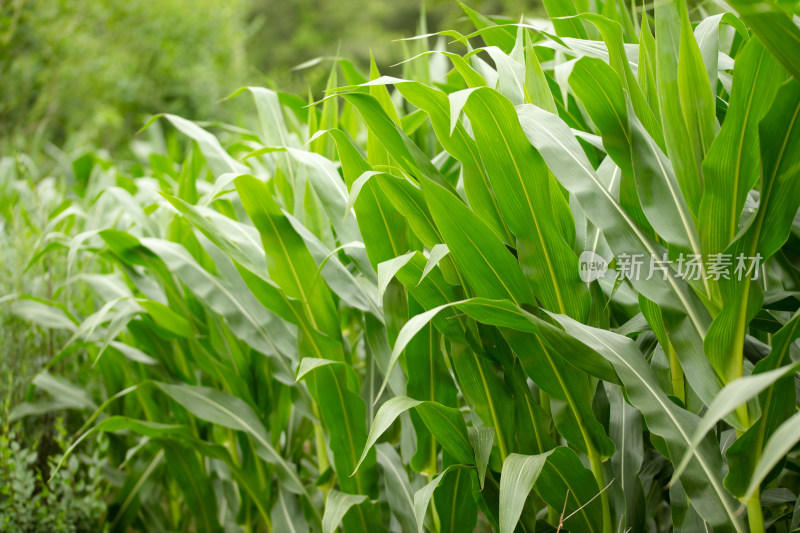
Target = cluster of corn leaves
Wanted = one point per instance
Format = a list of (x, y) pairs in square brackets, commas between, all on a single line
[(368, 312)]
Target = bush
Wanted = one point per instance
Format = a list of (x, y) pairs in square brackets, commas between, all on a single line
[(71, 502)]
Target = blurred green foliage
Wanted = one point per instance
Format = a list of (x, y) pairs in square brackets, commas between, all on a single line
[(78, 74), (28, 201), (32, 436), (289, 33), (89, 72)]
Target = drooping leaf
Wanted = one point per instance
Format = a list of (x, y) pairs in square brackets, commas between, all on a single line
[(336, 507)]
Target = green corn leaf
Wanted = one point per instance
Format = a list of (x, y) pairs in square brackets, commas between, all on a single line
[(612, 35), (239, 241), (273, 129), (733, 395), (402, 149), (777, 405), (42, 313), (411, 328), (388, 269), (707, 34), (511, 75), (625, 429), (779, 444), (522, 184), (701, 480), (397, 487), (288, 260), (231, 412), (381, 226), (533, 423), (779, 136), (377, 340), (329, 118), (431, 291), (659, 192), (408, 200), (493, 34), (185, 467), (428, 379), (776, 29), (646, 74), (481, 439), (696, 97), (455, 505), (286, 514), (355, 291), (438, 252), (308, 364), (128, 501), (541, 363), (519, 474), (505, 314), (676, 56), (344, 414), (336, 507), (459, 144), (216, 156), (167, 319), (568, 162), (63, 391), (590, 77), (537, 90), (422, 497), (562, 13), (230, 298), (486, 392), (446, 424), (332, 192), (731, 166), (117, 423), (355, 189), (564, 479), (472, 244)]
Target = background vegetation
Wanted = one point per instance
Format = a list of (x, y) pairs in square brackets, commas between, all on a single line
[(78, 75), (364, 311)]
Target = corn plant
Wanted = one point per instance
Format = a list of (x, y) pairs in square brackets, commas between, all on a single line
[(550, 288)]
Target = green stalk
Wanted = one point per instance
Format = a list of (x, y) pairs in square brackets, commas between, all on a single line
[(735, 371), (676, 375), (597, 469), (322, 454), (755, 518), (319, 441), (437, 522), (596, 464), (430, 473)]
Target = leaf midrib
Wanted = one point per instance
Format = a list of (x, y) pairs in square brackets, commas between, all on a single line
[(545, 249), (642, 239), (666, 409)]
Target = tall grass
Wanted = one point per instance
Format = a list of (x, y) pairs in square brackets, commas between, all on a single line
[(373, 311)]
